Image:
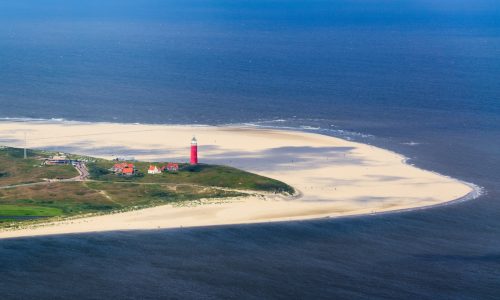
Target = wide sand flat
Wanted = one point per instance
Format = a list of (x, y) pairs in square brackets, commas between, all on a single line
[(335, 177)]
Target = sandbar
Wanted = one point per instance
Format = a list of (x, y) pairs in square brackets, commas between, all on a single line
[(333, 177)]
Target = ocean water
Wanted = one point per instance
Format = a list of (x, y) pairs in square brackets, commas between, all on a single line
[(418, 77)]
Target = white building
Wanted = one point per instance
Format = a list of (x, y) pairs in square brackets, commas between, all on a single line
[(153, 170)]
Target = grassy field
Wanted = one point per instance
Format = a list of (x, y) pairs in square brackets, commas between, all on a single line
[(73, 198), (27, 210), (107, 192), (206, 175), (10, 214), (14, 169)]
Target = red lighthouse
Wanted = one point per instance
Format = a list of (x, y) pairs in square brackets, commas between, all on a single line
[(194, 152)]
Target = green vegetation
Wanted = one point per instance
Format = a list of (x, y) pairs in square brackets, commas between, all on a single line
[(74, 198), (206, 175), (33, 211), (107, 192), (14, 169), (10, 214)]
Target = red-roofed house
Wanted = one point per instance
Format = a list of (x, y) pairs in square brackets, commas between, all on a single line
[(171, 167), (128, 171), (117, 168), (124, 169), (153, 170)]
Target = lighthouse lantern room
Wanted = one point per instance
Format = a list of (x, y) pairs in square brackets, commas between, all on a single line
[(194, 151)]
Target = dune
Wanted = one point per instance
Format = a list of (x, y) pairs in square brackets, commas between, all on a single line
[(333, 177)]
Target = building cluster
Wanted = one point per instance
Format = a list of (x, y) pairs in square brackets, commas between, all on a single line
[(128, 169), (124, 168), (170, 167)]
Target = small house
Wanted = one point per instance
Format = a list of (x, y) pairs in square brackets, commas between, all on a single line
[(153, 170), (128, 171), (171, 167), (58, 160), (124, 169)]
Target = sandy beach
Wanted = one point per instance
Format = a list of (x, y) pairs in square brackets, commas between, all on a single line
[(333, 177)]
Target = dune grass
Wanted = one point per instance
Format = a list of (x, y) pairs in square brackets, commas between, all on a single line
[(14, 169), (74, 198), (201, 174)]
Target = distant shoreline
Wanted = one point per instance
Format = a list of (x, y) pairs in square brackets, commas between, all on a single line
[(336, 177)]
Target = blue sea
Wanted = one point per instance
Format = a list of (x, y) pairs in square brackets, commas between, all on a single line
[(420, 77)]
